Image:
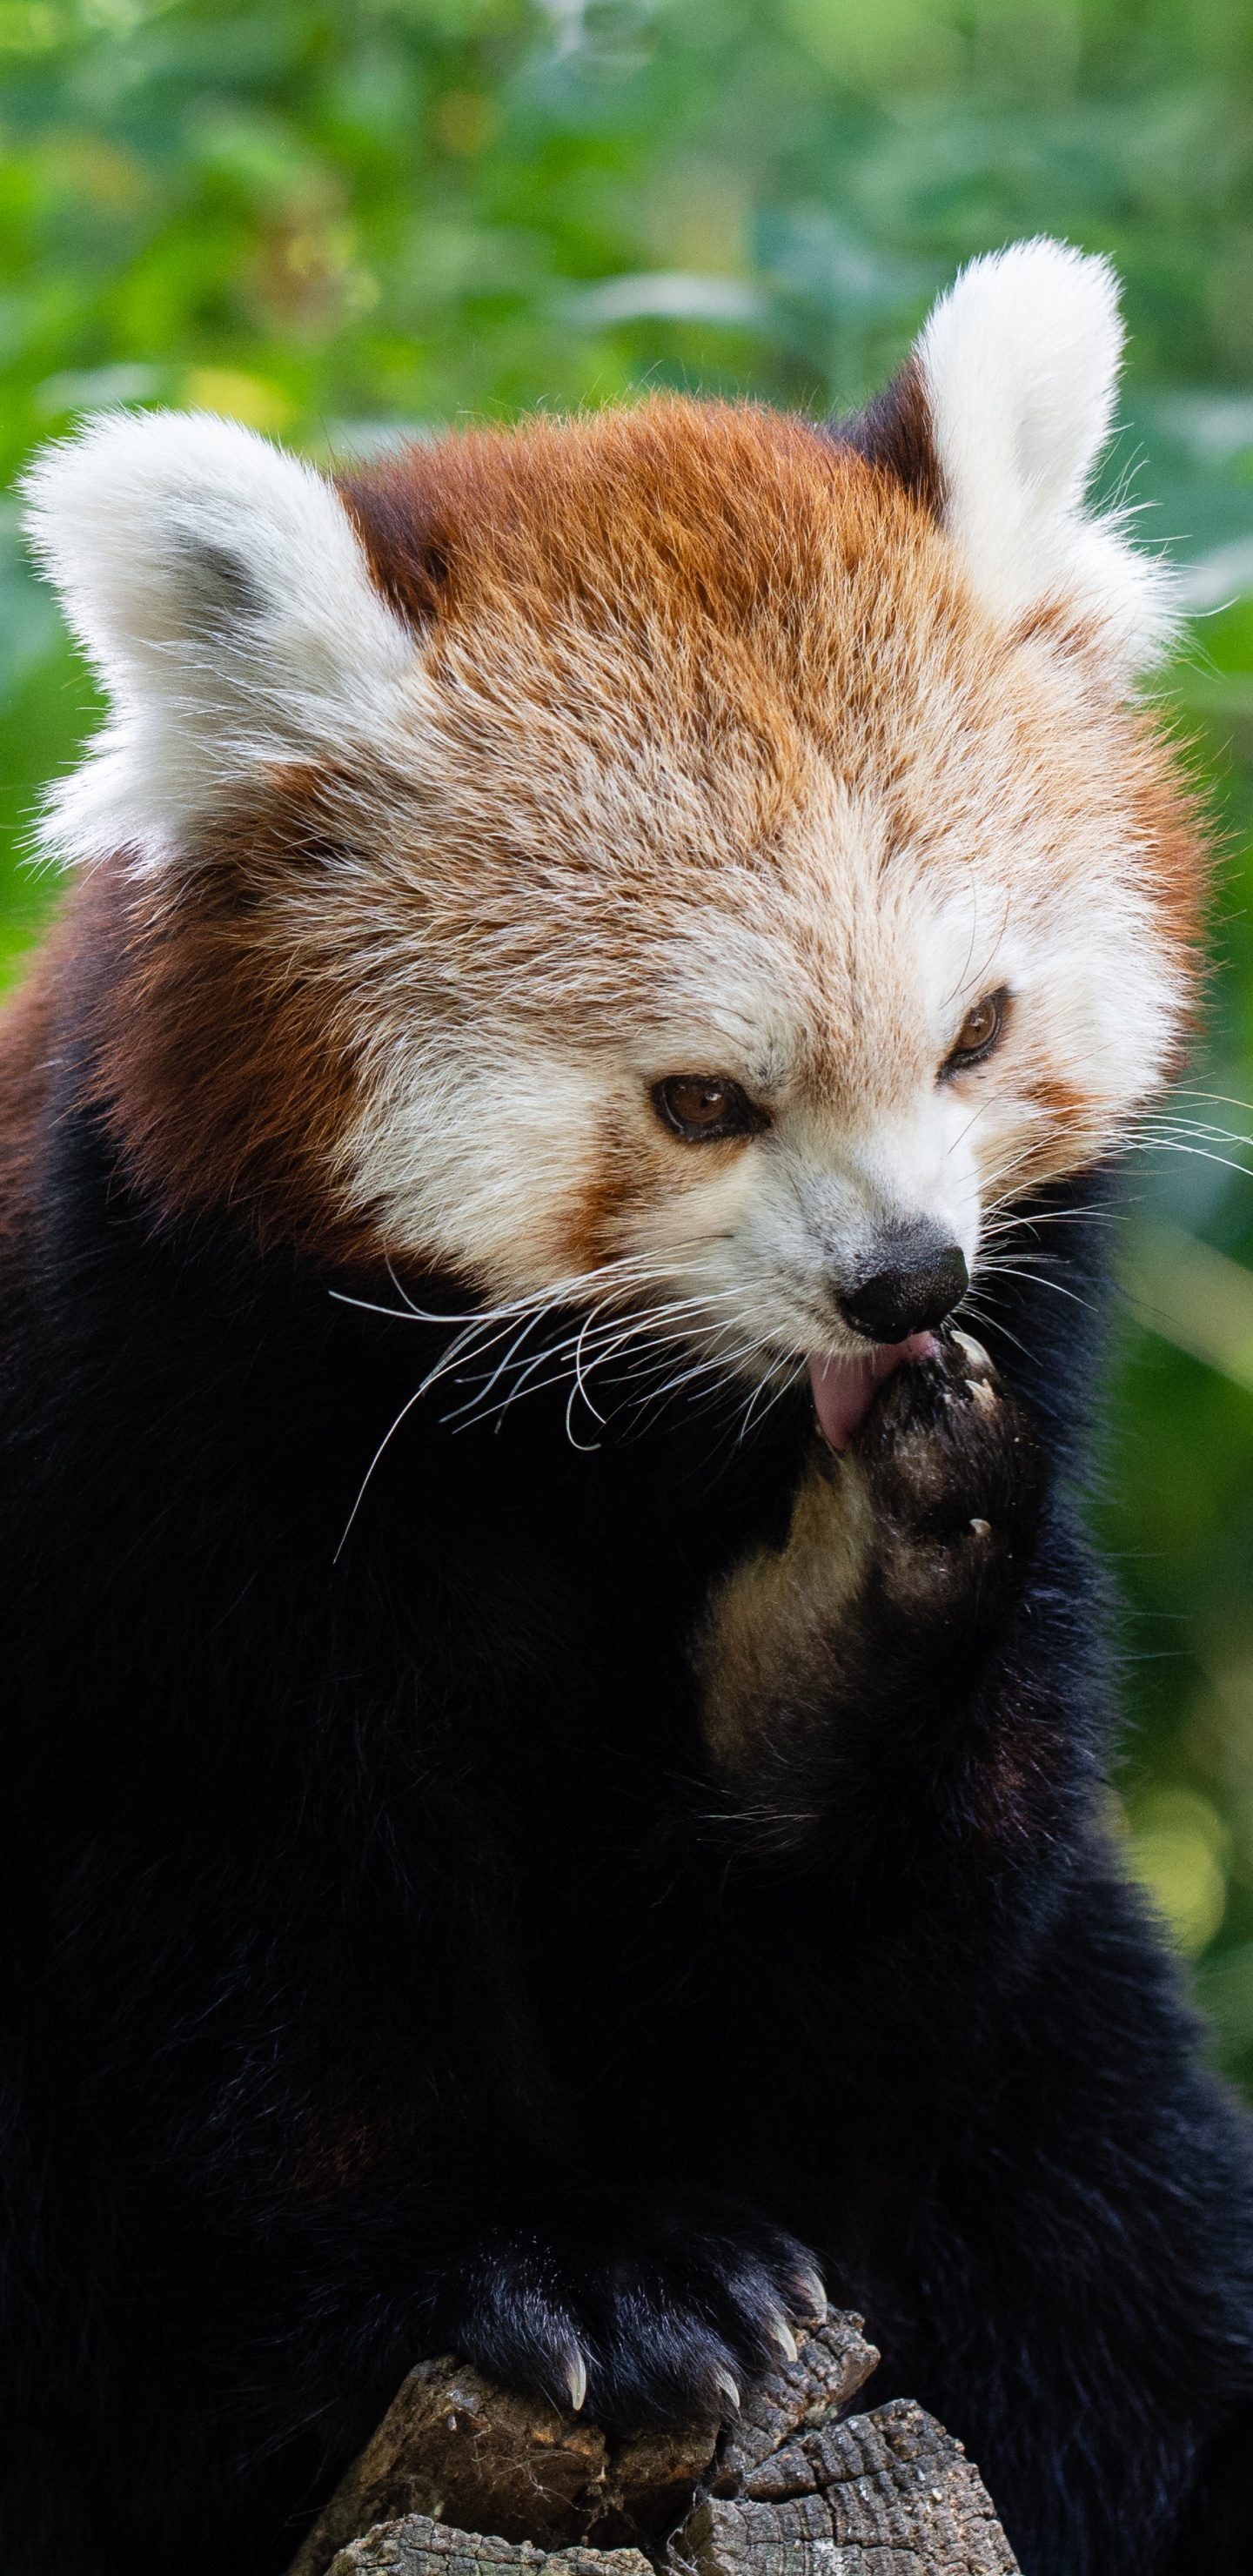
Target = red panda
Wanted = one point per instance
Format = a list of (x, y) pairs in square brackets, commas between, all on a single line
[(553, 1231)]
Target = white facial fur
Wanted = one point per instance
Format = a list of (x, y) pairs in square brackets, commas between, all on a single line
[(837, 1023)]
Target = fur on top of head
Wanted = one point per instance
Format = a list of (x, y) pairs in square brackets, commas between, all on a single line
[(459, 813)]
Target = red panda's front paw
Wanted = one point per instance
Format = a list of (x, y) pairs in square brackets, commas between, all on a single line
[(636, 2322), (954, 1474)]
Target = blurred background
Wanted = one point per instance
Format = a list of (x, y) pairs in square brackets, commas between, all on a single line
[(345, 220)]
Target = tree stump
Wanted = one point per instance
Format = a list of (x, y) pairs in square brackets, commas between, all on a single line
[(463, 2479)]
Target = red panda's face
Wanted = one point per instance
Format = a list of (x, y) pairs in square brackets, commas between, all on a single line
[(734, 871), (753, 928)]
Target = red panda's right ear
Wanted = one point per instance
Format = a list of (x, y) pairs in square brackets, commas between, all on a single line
[(222, 593)]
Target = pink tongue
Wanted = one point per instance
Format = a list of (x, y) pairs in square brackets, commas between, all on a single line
[(843, 1388)]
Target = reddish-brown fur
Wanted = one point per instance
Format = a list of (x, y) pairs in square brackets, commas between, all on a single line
[(742, 593)]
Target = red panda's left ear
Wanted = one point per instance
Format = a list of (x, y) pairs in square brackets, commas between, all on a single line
[(1017, 371)]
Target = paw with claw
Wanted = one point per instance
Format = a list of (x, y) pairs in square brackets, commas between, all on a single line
[(642, 2321), (907, 1543), (951, 1479)]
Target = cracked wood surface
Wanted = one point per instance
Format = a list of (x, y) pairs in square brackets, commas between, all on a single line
[(463, 2478)]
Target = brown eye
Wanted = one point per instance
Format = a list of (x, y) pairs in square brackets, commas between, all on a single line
[(978, 1033), (702, 1107)]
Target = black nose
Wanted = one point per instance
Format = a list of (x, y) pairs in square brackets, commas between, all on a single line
[(920, 1289)]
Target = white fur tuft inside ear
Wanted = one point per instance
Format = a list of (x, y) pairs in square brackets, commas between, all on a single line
[(1020, 366), (221, 592)]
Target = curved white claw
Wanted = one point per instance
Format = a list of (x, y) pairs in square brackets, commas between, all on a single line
[(727, 2390), (813, 2291), (576, 2379), (781, 2333), (974, 1350)]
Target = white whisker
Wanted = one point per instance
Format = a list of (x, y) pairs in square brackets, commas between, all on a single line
[(1007, 1270)]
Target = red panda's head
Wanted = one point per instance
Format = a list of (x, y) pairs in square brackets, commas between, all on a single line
[(682, 857)]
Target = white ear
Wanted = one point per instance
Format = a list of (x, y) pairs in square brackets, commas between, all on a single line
[(1019, 362), (220, 590)]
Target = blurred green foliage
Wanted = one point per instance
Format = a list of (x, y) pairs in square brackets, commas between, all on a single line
[(335, 219)]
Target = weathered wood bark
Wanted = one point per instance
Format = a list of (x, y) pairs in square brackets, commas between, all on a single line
[(419, 2547), (886, 2494), (471, 2457), (462, 2479)]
